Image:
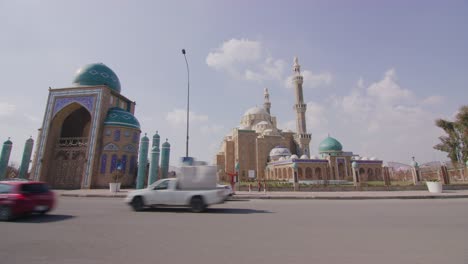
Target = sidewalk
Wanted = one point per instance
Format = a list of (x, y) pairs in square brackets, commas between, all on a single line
[(241, 195)]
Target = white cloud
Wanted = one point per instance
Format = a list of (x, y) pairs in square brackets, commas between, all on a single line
[(211, 129), (7, 109), (32, 118), (234, 52), (311, 80), (379, 120), (316, 116), (271, 69), (179, 117), (388, 89), (433, 100)]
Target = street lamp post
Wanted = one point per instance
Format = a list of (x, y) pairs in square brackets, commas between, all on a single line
[(188, 103)]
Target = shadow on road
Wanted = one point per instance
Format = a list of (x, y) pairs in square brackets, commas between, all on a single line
[(43, 218), (209, 211)]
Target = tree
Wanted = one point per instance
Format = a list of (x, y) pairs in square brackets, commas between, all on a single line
[(455, 143)]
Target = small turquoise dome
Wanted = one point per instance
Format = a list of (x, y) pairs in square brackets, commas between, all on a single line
[(354, 165), (119, 117), (156, 135), (97, 74), (330, 145), (8, 142), (166, 144), (414, 164)]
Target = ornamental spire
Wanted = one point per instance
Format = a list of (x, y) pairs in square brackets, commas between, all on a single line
[(296, 66)]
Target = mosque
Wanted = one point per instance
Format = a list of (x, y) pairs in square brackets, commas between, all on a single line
[(89, 133), (257, 148)]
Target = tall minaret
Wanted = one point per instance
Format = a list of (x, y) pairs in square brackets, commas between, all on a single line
[(302, 139), (266, 103)]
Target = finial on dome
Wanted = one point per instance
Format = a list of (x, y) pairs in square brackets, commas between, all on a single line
[(296, 60)]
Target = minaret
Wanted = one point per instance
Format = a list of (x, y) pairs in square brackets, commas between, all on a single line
[(154, 163), (26, 158), (4, 158), (301, 138), (142, 162), (165, 154), (266, 104)]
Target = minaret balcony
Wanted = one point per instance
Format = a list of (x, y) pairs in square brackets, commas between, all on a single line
[(300, 107), (298, 78)]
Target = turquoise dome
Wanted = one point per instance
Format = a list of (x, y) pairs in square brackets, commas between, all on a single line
[(156, 136), (8, 142), (330, 145), (166, 144), (97, 74), (119, 117)]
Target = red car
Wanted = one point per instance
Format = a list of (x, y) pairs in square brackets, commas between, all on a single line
[(24, 197)]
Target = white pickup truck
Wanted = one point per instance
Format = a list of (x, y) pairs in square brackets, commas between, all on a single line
[(165, 192)]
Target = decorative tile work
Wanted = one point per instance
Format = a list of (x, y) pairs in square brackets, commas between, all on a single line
[(127, 133), (130, 148), (86, 101), (111, 147), (47, 122)]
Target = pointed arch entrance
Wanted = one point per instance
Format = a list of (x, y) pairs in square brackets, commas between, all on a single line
[(68, 138)]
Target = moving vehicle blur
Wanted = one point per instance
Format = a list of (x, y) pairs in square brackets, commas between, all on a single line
[(18, 198)]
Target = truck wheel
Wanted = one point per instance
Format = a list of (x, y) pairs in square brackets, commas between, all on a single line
[(5, 213), (197, 205), (138, 204)]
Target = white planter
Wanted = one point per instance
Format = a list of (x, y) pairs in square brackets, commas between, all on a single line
[(114, 186), (434, 187)]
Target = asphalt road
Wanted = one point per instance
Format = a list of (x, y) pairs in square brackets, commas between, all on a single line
[(104, 230)]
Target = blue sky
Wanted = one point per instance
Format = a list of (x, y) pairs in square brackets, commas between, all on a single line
[(376, 73)]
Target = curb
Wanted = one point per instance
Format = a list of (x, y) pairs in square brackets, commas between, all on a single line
[(272, 197), (414, 197)]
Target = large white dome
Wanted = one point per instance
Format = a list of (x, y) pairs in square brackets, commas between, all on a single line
[(279, 152), (256, 111)]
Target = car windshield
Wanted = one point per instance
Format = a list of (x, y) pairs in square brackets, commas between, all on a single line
[(5, 188), (35, 188)]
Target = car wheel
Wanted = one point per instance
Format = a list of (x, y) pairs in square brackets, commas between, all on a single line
[(138, 204), (197, 205), (5, 213)]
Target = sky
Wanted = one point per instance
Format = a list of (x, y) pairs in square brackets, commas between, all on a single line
[(376, 73)]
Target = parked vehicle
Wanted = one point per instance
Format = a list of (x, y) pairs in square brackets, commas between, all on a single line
[(194, 187), (19, 198)]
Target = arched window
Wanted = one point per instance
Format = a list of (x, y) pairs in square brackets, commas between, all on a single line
[(117, 135), (103, 163), (370, 175), (308, 172), (318, 173), (124, 163), (113, 163), (285, 174), (290, 173), (132, 166), (300, 175), (280, 175)]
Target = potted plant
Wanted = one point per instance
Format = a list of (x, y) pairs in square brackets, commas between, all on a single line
[(114, 185), (434, 185)]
